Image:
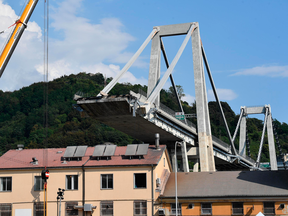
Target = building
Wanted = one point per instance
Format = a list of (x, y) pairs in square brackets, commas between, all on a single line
[(101, 180), (131, 180), (226, 193)]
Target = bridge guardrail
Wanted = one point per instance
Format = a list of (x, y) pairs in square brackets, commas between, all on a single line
[(222, 143), (172, 113), (168, 110), (190, 124), (249, 159)]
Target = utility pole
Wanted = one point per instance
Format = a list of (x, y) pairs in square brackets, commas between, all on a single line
[(45, 176), (60, 194)]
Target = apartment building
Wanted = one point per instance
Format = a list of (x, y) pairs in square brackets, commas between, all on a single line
[(226, 193), (100, 180), (131, 180)]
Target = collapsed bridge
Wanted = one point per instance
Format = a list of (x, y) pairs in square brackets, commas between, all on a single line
[(118, 112), (142, 116)]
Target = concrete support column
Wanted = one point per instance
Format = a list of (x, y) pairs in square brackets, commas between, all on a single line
[(203, 120), (271, 143), (154, 70), (196, 166), (184, 157), (172, 156), (242, 140)]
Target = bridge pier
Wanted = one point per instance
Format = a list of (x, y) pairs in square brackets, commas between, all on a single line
[(271, 143), (242, 140), (154, 69), (143, 116), (268, 122), (203, 120), (184, 157)]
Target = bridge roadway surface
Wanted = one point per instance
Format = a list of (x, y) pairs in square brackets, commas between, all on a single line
[(117, 112)]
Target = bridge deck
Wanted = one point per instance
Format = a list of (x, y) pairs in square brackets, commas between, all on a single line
[(117, 112)]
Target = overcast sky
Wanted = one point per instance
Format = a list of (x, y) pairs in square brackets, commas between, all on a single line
[(245, 42)]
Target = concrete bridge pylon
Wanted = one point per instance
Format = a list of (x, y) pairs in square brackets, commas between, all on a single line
[(266, 110), (154, 84), (150, 117)]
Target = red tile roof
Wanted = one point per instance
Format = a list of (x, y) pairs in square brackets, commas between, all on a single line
[(15, 159)]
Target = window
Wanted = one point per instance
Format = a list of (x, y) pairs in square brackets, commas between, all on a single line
[(38, 183), (269, 208), (140, 208), (206, 208), (72, 182), (70, 208), (237, 208), (140, 180), (106, 208), (6, 184), (107, 181), (173, 209), (38, 209), (5, 209), (190, 206)]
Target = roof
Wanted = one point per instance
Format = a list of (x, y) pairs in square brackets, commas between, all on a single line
[(15, 159), (228, 184)]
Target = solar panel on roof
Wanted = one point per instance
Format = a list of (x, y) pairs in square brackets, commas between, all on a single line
[(110, 150), (70, 150), (142, 149), (131, 149), (80, 151), (99, 150)]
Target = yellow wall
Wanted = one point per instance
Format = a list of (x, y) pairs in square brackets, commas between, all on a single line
[(123, 193), (221, 208), (195, 211), (162, 165), (123, 187), (280, 211), (224, 208), (23, 195)]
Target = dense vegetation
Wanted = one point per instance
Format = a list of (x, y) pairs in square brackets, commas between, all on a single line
[(22, 116)]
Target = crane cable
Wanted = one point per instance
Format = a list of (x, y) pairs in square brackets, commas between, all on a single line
[(45, 97), (16, 22)]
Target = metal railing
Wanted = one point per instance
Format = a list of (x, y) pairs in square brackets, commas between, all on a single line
[(248, 158), (171, 112), (168, 110), (142, 92), (255, 106), (222, 143)]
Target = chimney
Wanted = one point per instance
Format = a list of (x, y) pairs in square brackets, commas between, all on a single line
[(157, 139), (34, 161), (20, 147)]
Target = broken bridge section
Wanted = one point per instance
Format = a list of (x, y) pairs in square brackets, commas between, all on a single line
[(143, 116), (118, 112)]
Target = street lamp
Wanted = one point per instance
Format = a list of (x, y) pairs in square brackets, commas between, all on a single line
[(176, 199), (60, 194)]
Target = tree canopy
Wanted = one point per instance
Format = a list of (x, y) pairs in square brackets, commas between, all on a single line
[(22, 116)]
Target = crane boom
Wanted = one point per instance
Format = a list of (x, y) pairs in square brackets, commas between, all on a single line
[(18, 30)]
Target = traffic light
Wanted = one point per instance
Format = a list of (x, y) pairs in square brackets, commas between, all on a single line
[(45, 174)]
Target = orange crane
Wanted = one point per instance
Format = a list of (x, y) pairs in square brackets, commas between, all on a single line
[(20, 26)]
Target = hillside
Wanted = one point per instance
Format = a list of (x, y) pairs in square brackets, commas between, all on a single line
[(21, 117)]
